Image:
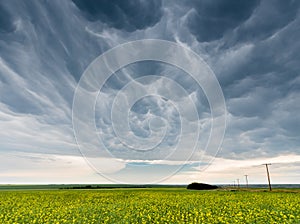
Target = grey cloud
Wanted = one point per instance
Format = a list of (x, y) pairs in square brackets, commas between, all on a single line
[(252, 47), (31, 133), (272, 134), (53, 36), (272, 63), (269, 17), (257, 103), (39, 65), (210, 20), (285, 115), (128, 15), (6, 20), (142, 112), (153, 68), (237, 125), (132, 71)]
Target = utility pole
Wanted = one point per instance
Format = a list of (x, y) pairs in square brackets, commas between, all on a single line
[(246, 180), (234, 183), (238, 183), (266, 164)]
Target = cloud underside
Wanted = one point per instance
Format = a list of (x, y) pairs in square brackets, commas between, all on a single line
[(252, 47), (129, 16)]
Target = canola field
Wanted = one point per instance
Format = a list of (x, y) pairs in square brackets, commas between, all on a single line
[(148, 206)]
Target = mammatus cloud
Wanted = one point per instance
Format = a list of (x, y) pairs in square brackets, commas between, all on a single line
[(252, 47), (210, 20), (267, 19), (129, 16)]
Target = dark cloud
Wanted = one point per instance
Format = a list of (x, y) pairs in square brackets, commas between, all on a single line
[(210, 20), (252, 46), (127, 15), (257, 66), (269, 17), (271, 63), (255, 104), (6, 21), (133, 71)]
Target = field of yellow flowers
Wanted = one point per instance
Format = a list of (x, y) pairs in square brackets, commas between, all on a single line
[(148, 206)]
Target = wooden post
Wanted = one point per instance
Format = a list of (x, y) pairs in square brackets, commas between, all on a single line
[(268, 174), (246, 180)]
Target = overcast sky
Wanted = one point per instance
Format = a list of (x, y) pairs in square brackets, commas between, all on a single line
[(252, 47)]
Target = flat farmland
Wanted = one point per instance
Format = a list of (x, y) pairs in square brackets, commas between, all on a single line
[(148, 206)]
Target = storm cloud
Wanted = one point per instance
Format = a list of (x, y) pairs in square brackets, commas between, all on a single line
[(252, 47), (210, 20), (7, 23), (128, 15)]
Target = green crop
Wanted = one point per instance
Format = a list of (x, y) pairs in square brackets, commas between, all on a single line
[(148, 206)]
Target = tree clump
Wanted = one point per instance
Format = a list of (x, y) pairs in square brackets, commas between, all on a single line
[(201, 186)]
